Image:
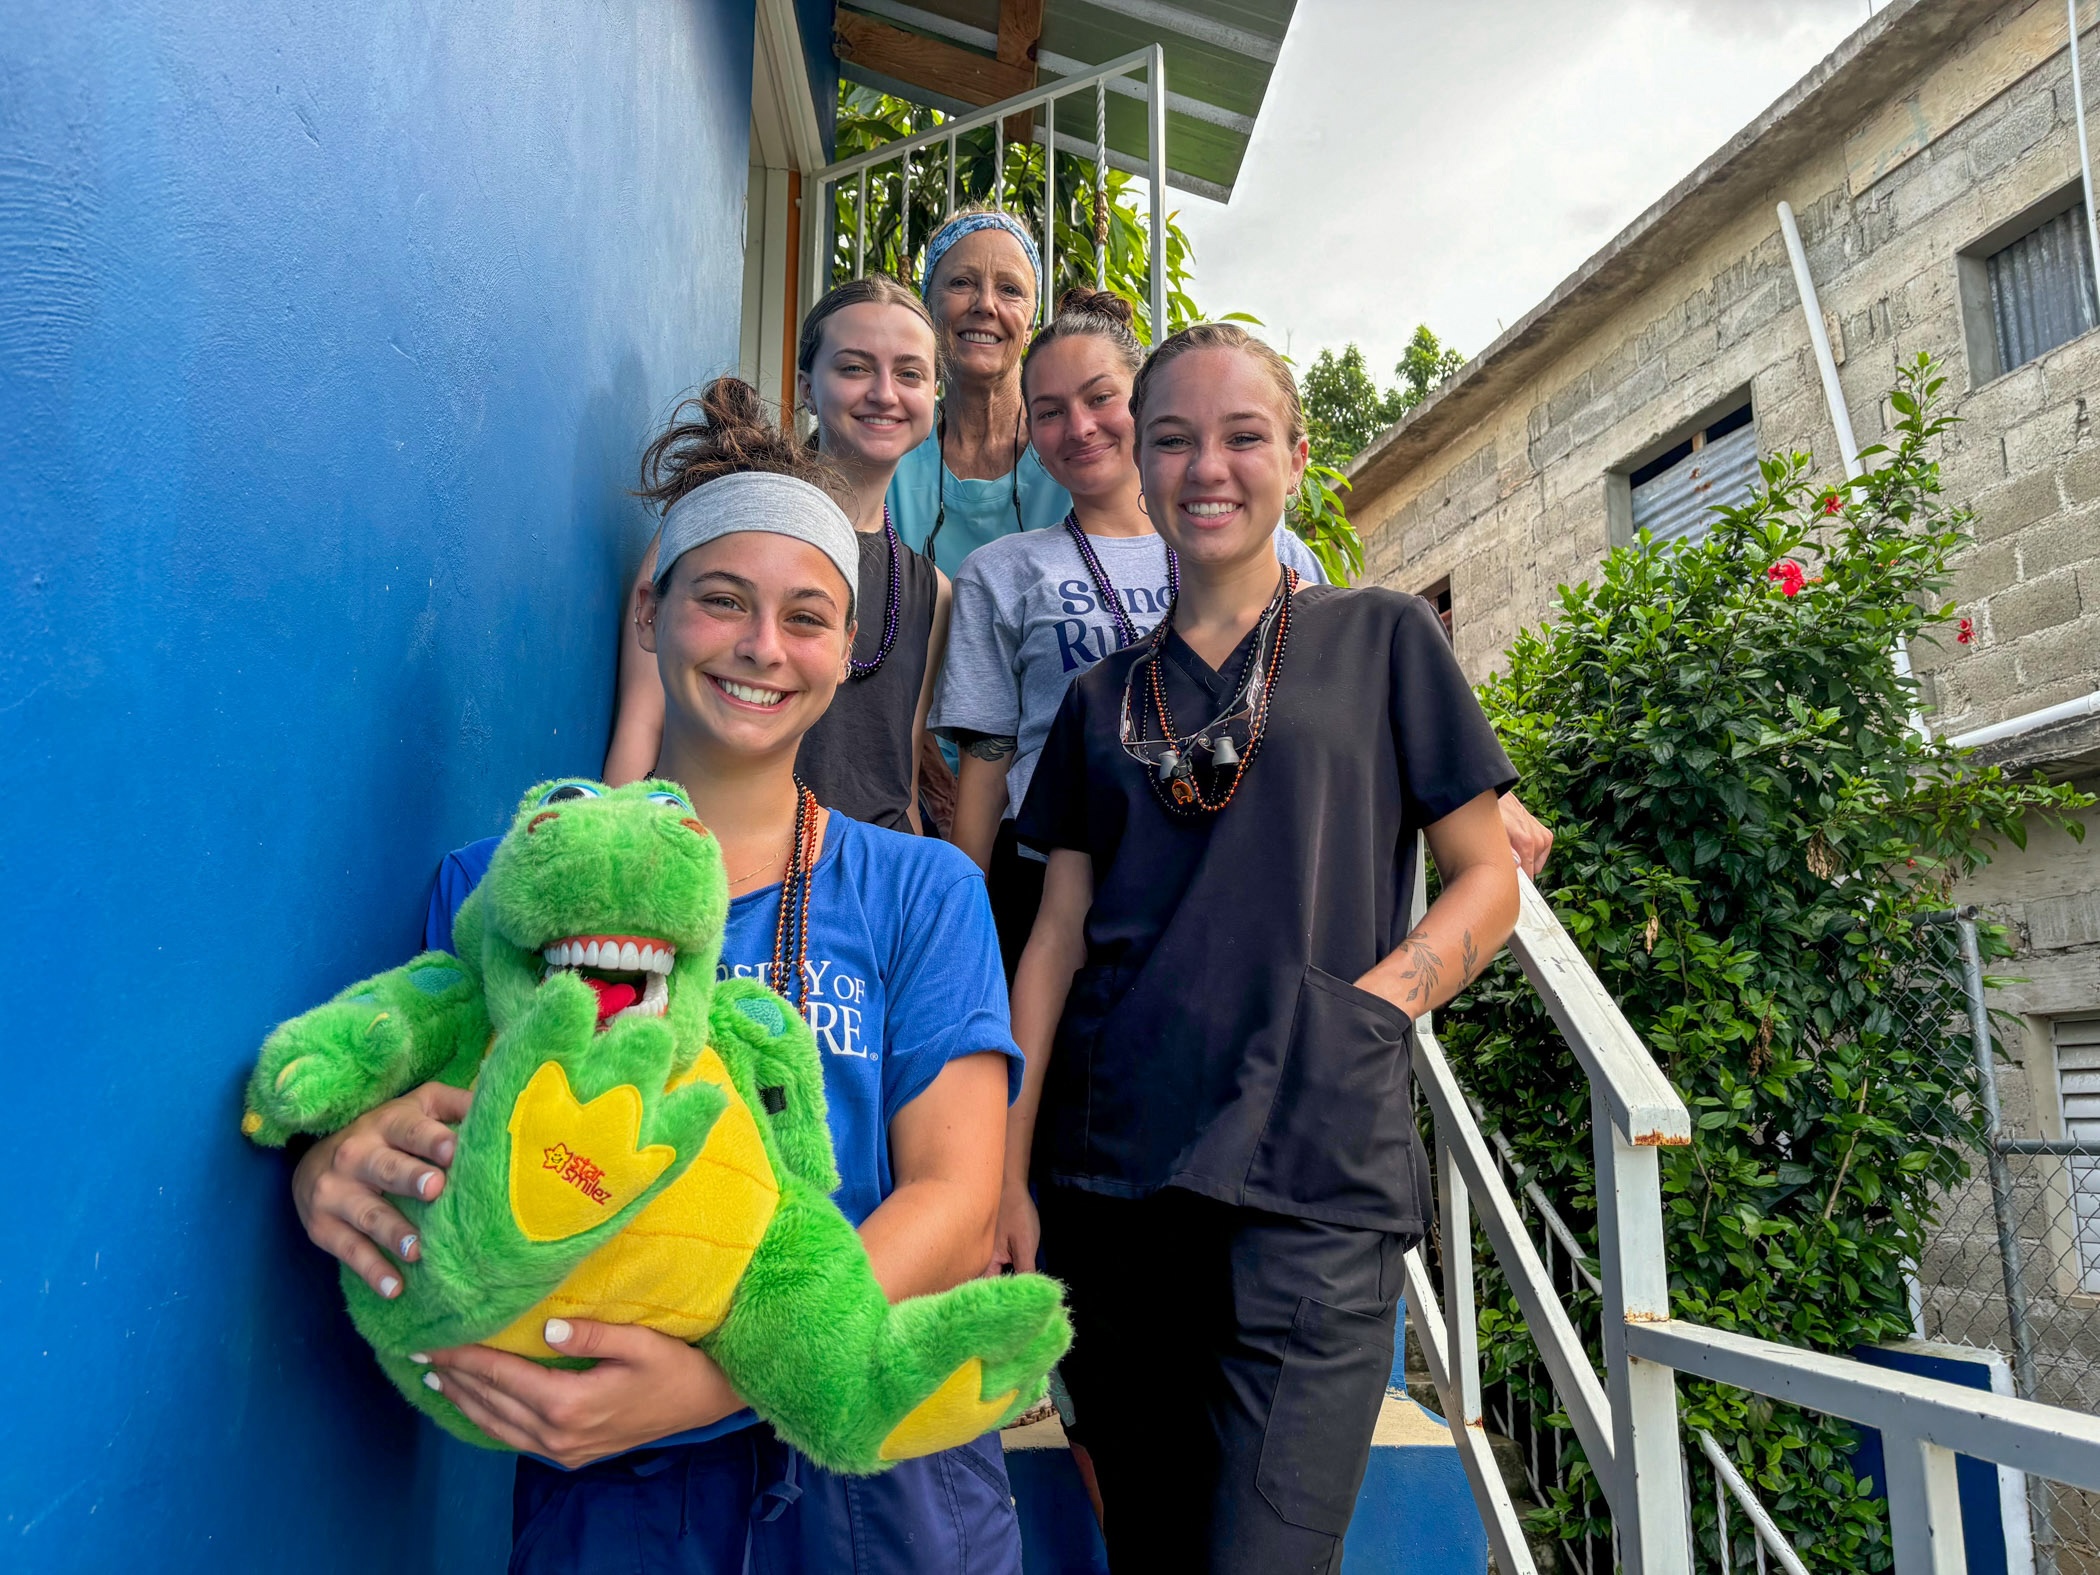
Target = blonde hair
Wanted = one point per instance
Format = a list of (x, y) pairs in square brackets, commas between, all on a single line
[(1224, 336)]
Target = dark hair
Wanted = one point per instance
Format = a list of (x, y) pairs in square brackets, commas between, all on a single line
[(720, 431), (1223, 336), (1096, 314), (877, 289)]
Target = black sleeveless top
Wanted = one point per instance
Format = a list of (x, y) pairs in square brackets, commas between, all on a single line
[(858, 758)]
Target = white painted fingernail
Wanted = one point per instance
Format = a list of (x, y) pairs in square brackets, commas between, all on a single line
[(408, 1243), (558, 1331), (419, 1358), (424, 1183), (430, 1381), (389, 1287)]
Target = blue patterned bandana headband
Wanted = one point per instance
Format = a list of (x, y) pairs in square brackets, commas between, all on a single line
[(969, 224)]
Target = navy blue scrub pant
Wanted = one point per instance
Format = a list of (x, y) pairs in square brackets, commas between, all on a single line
[(746, 1502), (1226, 1371)]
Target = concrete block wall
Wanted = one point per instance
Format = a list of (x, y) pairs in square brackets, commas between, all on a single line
[(1516, 505)]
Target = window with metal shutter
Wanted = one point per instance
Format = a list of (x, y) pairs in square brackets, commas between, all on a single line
[(2078, 1091), (2042, 289), (1675, 495)]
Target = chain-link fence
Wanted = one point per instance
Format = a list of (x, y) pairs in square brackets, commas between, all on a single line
[(2011, 1265)]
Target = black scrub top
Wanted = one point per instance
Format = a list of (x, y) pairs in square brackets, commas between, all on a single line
[(1213, 1039), (858, 757)]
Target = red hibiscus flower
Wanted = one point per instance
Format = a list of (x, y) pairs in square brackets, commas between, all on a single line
[(1833, 504), (1786, 573), (1965, 634)]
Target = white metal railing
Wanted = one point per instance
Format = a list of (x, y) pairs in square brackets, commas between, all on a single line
[(821, 208), (1626, 1421)]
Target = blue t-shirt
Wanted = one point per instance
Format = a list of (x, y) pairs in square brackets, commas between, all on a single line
[(904, 977), (977, 511)]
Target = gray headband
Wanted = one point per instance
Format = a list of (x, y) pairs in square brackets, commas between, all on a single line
[(761, 500)]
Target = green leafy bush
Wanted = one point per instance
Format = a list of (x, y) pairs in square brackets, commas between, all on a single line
[(1749, 833)]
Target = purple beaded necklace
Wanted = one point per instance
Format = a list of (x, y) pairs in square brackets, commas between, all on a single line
[(1126, 631), (890, 604)]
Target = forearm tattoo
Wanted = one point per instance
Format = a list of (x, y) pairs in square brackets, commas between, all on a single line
[(1423, 966), (990, 746)]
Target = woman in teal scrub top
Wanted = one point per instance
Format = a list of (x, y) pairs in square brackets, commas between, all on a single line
[(976, 479)]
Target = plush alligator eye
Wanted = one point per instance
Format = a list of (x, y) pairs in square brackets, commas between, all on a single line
[(563, 791), (675, 800)]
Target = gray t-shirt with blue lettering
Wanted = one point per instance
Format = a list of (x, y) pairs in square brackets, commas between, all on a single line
[(1027, 620)]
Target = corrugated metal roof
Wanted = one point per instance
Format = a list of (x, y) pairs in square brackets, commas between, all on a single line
[(1220, 57), (1681, 501)]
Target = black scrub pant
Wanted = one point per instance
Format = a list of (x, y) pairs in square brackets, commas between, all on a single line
[(1226, 1371)]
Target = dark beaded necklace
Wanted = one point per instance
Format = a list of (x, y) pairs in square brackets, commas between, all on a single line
[(890, 606), (1175, 781), (1126, 631), (791, 931)]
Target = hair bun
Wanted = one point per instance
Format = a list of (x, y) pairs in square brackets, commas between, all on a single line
[(731, 404), (724, 429), (1101, 303)]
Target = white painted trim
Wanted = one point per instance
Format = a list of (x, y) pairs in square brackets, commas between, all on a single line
[(779, 55)]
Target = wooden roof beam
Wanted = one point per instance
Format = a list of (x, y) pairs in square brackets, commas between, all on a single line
[(933, 63), (1020, 36)]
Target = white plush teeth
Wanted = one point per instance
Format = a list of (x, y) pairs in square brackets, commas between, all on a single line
[(656, 995), (650, 957)]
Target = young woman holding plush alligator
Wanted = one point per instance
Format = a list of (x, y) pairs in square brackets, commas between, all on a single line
[(751, 624)]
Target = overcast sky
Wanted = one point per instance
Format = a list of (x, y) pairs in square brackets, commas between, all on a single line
[(1430, 161)]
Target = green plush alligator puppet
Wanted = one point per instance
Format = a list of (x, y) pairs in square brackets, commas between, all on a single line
[(647, 1145)]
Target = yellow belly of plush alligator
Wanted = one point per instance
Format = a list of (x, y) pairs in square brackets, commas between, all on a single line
[(678, 1262)]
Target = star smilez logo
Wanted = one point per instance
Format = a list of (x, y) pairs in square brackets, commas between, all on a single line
[(574, 1164), (577, 1170)]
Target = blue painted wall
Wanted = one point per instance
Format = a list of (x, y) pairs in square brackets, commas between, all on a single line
[(329, 337)]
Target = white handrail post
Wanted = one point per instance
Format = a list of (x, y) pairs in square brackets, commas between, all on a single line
[(1924, 1507), (860, 226), (818, 216), (1047, 305), (1646, 1479), (1461, 1318), (1156, 176)]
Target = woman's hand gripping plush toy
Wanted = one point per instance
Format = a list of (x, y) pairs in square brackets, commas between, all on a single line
[(647, 1144)]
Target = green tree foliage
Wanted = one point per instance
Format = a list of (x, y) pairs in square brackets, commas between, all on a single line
[(1344, 406), (891, 235), (1749, 834), (1424, 364), (1344, 409)]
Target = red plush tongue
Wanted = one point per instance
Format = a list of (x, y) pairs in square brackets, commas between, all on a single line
[(613, 999)]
